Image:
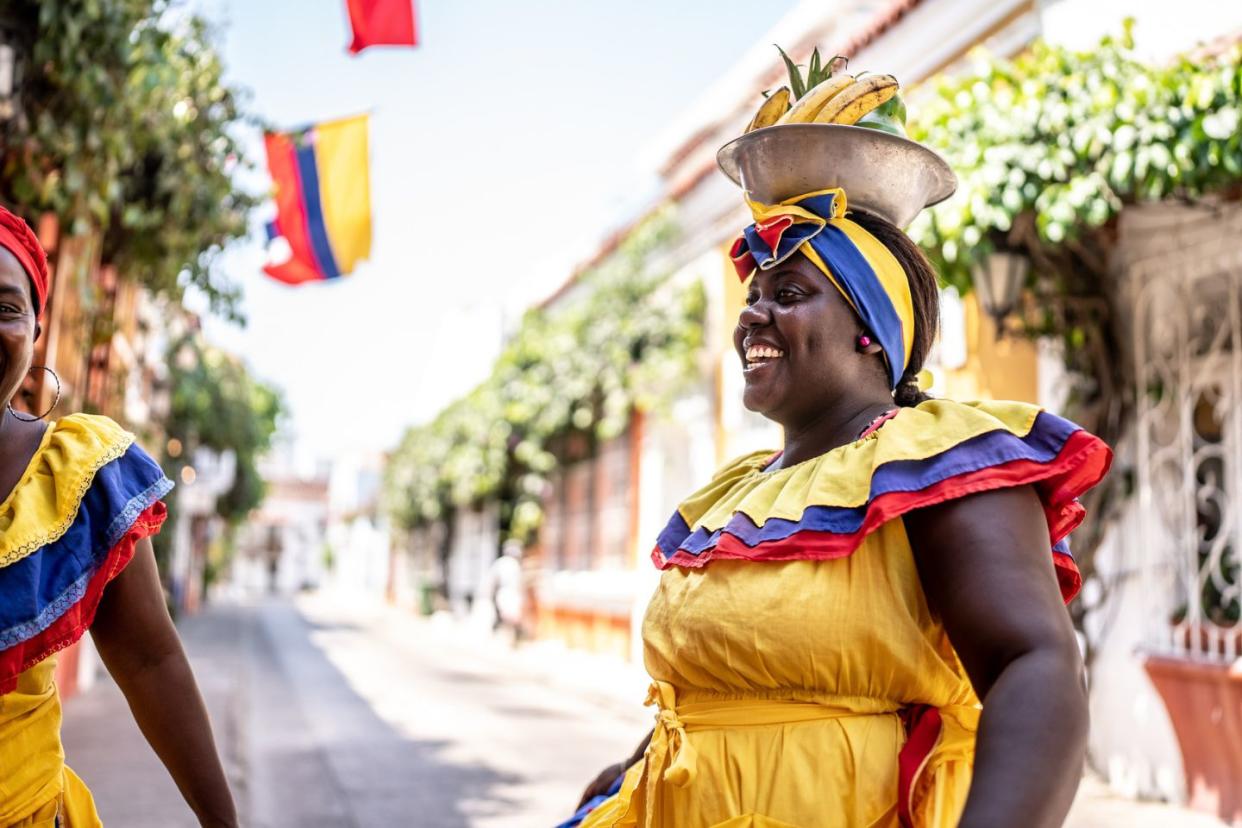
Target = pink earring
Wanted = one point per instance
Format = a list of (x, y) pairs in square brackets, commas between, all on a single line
[(864, 342)]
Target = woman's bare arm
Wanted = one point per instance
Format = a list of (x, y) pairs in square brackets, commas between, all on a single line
[(986, 569), (140, 647)]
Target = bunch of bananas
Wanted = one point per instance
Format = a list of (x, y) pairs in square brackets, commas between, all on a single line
[(823, 97)]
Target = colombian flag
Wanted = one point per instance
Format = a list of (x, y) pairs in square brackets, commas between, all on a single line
[(323, 200)]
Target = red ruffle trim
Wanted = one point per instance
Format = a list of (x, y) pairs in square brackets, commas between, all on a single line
[(1082, 462), (68, 628)]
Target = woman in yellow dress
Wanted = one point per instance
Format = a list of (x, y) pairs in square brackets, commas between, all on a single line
[(831, 615), (79, 501)]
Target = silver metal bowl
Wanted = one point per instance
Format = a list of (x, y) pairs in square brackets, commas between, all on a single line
[(891, 177)]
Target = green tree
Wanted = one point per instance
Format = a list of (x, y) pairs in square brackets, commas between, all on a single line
[(1049, 148), (216, 404), (627, 339), (126, 129)]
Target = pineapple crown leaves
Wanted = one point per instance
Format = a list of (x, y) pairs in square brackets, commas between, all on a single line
[(817, 71)]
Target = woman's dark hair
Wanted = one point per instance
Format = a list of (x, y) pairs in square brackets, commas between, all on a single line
[(924, 295)]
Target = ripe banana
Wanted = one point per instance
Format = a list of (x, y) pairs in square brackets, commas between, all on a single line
[(858, 99), (773, 108), (813, 102)]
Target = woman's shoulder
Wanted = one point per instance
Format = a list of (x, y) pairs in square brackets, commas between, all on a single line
[(80, 425), (81, 457), (70, 526), (938, 425), (94, 440), (944, 449), (934, 452), (982, 434)]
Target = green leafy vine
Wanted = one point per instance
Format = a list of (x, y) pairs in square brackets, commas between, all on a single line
[(580, 366), (126, 128)]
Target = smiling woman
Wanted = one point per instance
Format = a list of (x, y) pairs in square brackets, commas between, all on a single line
[(865, 627), (78, 504), (814, 309)]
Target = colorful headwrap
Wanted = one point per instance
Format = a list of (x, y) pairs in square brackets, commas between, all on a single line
[(862, 268), (17, 238)]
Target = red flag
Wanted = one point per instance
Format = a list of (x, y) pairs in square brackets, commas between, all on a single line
[(381, 23)]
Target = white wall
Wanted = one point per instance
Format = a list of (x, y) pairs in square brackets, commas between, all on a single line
[(476, 543), (360, 550), (1161, 29), (1132, 740)]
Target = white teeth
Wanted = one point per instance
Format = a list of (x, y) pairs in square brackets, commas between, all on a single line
[(757, 352)]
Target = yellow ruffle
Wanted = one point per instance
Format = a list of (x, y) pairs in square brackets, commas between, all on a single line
[(842, 477), (45, 501)]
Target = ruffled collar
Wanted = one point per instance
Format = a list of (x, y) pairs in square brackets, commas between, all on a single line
[(46, 499), (842, 476), (824, 508)]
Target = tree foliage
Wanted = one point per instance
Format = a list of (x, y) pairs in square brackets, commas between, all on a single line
[(624, 339), (216, 404), (1065, 139), (1049, 148), (126, 129)]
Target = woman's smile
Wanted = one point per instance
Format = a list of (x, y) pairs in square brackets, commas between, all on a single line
[(761, 356)]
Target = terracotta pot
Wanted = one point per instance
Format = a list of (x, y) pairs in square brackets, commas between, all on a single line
[(1204, 700)]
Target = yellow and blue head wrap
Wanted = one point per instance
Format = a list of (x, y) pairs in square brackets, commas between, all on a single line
[(870, 278)]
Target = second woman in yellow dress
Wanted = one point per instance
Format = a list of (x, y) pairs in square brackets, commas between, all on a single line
[(865, 628)]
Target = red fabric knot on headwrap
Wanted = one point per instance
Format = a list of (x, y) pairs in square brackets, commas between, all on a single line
[(17, 238)]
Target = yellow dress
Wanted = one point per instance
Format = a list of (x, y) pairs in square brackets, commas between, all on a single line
[(68, 528), (797, 668), (37, 786)]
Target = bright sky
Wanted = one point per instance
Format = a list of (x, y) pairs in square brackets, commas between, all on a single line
[(502, 149)]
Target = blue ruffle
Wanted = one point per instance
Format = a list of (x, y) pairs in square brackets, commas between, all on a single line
[(1042, 444), (41, 587)]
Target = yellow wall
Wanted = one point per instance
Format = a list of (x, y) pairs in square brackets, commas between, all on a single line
[(994, 370), (732, 300)]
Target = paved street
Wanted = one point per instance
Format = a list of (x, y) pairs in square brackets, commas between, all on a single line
[(329, 719), (330, 715)]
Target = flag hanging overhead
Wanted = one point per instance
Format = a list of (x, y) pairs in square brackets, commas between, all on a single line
[(323, 201), (382, 23)]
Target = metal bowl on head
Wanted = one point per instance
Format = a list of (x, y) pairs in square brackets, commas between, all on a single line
[(886, 175)]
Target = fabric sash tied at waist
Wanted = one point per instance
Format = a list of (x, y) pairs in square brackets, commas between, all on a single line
[(673, 721), (936, 736)]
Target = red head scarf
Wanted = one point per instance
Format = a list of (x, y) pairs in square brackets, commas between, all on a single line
[(17, 238)]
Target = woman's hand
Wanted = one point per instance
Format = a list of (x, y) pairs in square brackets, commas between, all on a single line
[(140, 647), (600, 785)]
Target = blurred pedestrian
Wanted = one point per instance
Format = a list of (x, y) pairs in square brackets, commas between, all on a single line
[(505, 578), (80, 503), (831, 615)]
